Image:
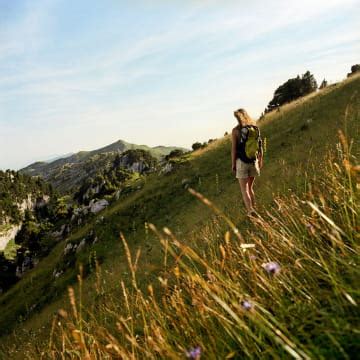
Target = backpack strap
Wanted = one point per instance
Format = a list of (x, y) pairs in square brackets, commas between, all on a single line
[(259, 140)]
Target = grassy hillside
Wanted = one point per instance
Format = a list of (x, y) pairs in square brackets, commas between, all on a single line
[(298, 139)]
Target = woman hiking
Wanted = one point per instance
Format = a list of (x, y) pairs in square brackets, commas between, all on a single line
[(246, 156)]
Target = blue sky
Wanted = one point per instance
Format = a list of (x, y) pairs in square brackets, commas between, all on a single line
[(77, 75)]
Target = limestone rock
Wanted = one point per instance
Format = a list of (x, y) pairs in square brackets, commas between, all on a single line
[(99, 205), (167, 168), (68, 248), (81, 245)]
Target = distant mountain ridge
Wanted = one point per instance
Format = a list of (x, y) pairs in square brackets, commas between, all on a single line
[(57, 157), (66, 173)]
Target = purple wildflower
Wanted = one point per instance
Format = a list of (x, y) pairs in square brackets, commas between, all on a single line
[(247, 305), (271, 267), (194, 353)]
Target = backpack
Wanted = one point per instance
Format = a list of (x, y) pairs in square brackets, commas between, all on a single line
[(249, 144)]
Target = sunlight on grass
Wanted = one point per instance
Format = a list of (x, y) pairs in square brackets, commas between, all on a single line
[(10, 250), (283, 288)]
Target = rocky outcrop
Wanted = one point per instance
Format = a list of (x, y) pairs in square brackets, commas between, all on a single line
[(81, 246), (62, 232), (42, 201), (25, 261), (31, 204), (97, 206), (71, 250), (167, 168), (91, 191), (139, 165), (27, 204)]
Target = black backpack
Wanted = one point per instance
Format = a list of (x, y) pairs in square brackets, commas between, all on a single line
[(249, 143)]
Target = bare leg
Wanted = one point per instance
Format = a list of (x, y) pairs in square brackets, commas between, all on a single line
[(250, 185), (245, 193)]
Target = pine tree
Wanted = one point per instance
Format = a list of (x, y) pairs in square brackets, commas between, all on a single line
[(292, 89)]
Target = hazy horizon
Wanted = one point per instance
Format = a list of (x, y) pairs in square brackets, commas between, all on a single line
[(79, 76)]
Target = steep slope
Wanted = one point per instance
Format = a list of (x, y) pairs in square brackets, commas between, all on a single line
[(66, 173), (297, 138)]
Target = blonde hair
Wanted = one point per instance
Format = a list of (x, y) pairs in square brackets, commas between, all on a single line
[(243, 117)]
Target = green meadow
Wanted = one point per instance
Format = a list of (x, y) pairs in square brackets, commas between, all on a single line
[(178, 266)]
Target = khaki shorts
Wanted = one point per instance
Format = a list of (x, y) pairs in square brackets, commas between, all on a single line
[(244, 170)]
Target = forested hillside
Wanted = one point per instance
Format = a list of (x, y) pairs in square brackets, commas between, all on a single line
[(16, 192), (67, 174)]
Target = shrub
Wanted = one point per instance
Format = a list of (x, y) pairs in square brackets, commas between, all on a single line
[(323, 84), (196, 146), (354, 69), (174, 154)]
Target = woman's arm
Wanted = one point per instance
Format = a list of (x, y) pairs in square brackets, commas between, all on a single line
[(260, 158), (233, 150)]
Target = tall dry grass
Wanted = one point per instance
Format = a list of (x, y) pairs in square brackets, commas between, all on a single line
[(286, 287)]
